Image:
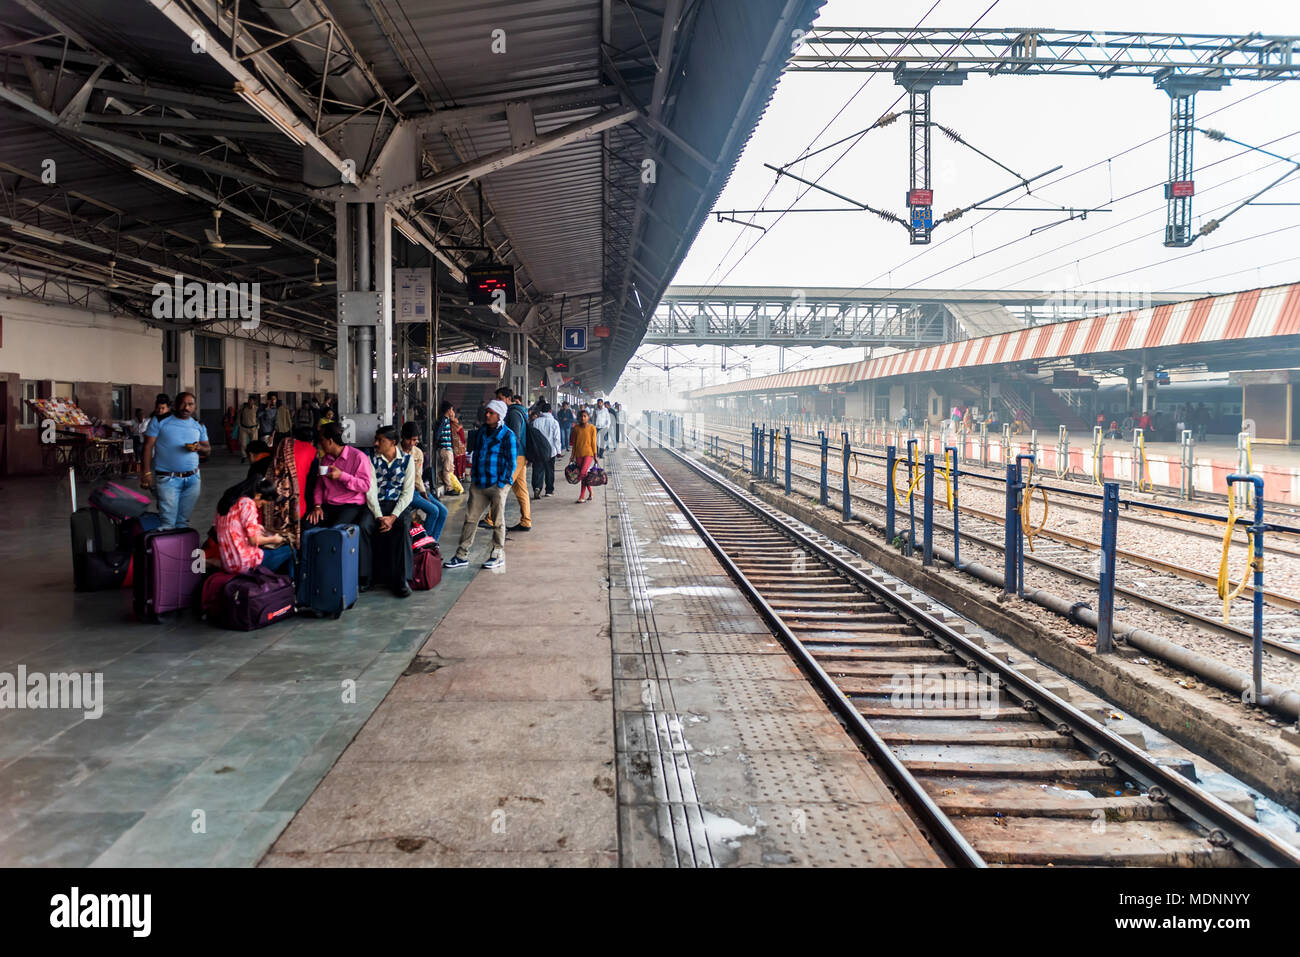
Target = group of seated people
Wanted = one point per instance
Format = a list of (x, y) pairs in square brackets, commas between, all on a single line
[(260, 521)]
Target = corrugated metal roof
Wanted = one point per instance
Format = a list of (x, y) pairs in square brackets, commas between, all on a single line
[(568, 219)]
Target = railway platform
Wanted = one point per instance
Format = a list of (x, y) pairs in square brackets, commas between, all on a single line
[(608, 698)]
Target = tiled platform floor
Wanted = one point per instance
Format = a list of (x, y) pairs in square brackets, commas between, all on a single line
[(498, 750), (210, 740)]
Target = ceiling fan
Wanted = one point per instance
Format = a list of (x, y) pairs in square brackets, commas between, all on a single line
[(216, 242), (112, 277)]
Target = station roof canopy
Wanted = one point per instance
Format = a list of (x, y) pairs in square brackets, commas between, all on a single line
[(1236, 330), (580, 141)]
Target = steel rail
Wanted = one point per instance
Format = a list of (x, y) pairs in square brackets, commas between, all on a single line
[(939, 826), (1224, 825), (1276, 598), (1272, 645)]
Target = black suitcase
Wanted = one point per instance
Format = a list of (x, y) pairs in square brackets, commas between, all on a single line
[(93, 532)]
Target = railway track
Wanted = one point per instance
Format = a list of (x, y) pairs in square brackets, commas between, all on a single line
[(995, 768), (1166, 588), (990, 478)]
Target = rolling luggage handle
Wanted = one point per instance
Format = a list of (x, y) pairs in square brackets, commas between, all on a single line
[(72, 486)]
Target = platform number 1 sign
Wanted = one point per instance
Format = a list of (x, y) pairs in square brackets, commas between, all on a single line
[(575, 338)]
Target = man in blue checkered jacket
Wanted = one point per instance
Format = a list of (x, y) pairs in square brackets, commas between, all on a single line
[(492, 474)]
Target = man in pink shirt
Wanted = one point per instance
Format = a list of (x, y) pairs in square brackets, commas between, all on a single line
[(345, 493)]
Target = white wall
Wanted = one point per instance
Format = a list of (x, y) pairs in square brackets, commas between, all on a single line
[(72, 344), (67, 344)]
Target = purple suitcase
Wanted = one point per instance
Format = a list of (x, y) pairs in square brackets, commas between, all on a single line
[(164, 572)]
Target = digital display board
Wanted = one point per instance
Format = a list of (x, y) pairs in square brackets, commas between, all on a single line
[(483, 285)]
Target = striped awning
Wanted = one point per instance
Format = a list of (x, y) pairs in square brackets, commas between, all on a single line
[(1253, 313)]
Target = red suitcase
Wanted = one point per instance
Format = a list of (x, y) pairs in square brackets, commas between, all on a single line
[(166, 571)]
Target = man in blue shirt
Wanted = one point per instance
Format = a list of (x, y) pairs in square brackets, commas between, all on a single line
[(566, 418), (495, 452), (174, 445)]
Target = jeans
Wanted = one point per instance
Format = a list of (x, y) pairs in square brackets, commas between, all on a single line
[(277, 558), (176, 499), (436, 511)]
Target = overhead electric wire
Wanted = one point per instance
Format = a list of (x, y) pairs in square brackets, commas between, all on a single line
[(847, 150), (772, 188), (1114, 156), (1123, 222)]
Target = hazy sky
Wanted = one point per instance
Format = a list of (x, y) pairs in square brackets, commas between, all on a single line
[(1030, 124)]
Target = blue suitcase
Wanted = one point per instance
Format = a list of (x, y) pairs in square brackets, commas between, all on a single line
[(327, 572)]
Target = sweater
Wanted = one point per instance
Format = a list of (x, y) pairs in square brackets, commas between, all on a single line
[(583, 441)]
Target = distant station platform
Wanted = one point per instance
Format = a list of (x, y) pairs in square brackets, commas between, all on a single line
[(607, 698)]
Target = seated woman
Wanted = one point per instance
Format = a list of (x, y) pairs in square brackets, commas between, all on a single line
[(294, 471), (435, 511), (243, 541), (391, 492)]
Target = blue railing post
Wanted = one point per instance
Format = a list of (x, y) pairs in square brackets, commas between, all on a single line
[(956, 513), (1257, 563), (787, 460), (760, 440), (927, 530), (848, 509), (1106, 578), (1011, 534), (1020, 532), (891, 456), (913, 462), (753, 442), (825, 497), (771, 455)]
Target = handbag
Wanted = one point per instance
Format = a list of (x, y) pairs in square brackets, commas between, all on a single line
[(571, 473), (595, 476)]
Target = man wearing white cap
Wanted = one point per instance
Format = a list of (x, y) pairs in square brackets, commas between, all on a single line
[(492, 474)]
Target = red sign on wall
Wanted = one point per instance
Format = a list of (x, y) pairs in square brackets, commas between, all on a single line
[(1181, 188), (920, 197)]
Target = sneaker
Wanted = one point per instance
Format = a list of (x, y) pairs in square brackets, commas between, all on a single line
[(455, 562), (497, 562)]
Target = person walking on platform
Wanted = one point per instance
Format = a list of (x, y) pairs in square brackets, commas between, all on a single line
[(247, 427), (540, 456), (492, 473), (444, 441), (565, 418), (583, 442), (283, 421), (266, 420), (175, 444), (517, 422), (602, 423), (616, 413), (551, 429)]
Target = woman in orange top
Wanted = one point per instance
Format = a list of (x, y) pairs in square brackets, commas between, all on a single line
[(582, 445)]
